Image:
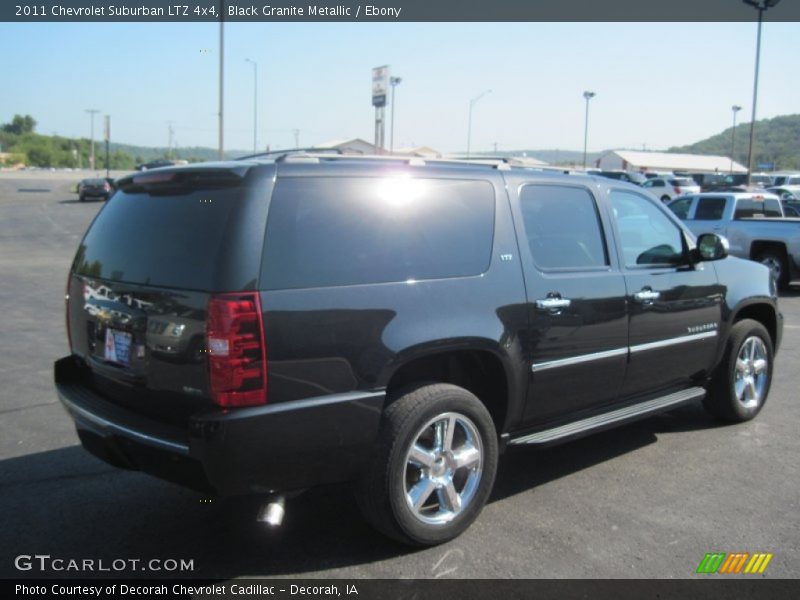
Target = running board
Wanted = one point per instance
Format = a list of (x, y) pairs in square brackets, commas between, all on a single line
[(610, 419)]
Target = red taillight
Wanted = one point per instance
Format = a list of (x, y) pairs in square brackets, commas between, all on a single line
[(677, 190), (237, 354), (106, 187), (66, 304)]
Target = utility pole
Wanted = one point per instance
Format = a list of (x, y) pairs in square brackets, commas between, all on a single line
[(296, 133), (107, 136), (761, 6), (92, 112), (394, 82), (588, 95), (255, 103), (469, 121), (735, 108), (222, 83), (170, 132)]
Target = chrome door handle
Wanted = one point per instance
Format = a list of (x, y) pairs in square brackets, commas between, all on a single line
[(646, 296), (553, 303)]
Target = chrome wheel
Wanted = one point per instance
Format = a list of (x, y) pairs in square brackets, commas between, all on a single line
[(443, 468), (751, 373)]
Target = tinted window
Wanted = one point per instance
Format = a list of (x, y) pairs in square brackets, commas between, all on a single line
[(709, 209), (681, 207), (160, 240), (563, 227), (345, 231), (647, 235), (750, 207), (683, 181), (658, 183)]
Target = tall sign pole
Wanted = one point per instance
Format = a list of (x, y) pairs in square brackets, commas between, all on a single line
[(380, 89)]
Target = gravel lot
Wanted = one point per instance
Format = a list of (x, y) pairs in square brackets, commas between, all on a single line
[(647, 500)]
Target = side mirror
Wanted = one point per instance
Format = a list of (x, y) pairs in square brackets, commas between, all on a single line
[(711, 246)]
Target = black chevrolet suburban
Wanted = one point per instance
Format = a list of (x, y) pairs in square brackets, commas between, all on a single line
[(271, 324)]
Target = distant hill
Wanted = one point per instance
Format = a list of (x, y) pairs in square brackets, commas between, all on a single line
[(776, 141), (190, 153)]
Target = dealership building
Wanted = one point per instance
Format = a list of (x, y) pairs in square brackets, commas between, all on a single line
[(631, 160)]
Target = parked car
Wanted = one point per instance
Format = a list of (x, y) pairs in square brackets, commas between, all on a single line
[(752, 222), (654, 174), (783, 179), (667, 188), (95, 188), (790, 199), (396, 324), (159, 163), (630, 177)]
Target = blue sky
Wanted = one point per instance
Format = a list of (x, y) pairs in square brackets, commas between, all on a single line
[(657, 84)]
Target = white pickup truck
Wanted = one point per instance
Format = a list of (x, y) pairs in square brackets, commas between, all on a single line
[(754, 224)]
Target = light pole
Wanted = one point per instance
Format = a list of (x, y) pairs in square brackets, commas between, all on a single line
[(394, 82), (469, 123), (735, 108), (761, 6), (255, 104), (92, 112), (588, 95), (222, 86)]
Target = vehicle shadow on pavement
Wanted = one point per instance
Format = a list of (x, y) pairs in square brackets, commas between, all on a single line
[(76, 201), (526, 468), (68, 504)]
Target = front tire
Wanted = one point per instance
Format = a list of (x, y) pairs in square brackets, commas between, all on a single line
[(741, 383), (433, 468)]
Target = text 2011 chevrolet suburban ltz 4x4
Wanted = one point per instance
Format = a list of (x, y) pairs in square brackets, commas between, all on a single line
[(267, 325)]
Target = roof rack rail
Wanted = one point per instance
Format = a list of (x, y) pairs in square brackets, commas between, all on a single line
[(289, 151)]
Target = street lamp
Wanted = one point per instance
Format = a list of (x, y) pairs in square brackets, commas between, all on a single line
[(735, 108), (469, 123), (92, 112), (394, 82), (761, 6), (255, 104), (588, 95)]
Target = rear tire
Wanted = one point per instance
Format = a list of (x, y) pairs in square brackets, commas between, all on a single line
[(776, 262), (433, 467), (741, 383), (665, 199)]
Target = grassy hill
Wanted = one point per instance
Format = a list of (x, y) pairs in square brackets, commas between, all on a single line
[(776, 141)]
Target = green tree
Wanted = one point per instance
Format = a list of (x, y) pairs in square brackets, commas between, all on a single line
[(20, 124)]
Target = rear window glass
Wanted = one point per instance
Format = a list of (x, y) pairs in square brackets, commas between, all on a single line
[(346, 231), (752, 208), (682, 181), (160, 240)]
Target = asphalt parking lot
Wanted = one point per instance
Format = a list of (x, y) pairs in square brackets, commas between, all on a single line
[(644, 501)]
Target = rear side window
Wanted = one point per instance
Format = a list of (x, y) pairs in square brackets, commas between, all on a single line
[(752, 208), (709, 209), (346, 231), (563, 227), (169, 240), (682, 182)]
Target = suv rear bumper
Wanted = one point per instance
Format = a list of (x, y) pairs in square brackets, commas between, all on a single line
[(265, 449)]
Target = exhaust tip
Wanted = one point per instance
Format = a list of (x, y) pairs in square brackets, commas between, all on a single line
[(271, 513)]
